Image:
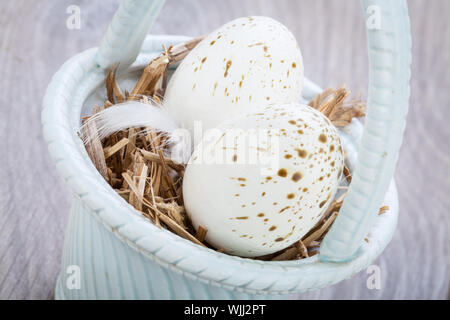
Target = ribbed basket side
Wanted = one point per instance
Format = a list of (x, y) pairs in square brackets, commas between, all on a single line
[(110, 270)]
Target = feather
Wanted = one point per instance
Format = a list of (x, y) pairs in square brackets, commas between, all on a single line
[(134, 114), (131, 114)]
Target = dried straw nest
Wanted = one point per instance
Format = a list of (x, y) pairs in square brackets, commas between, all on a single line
[(133, 161)]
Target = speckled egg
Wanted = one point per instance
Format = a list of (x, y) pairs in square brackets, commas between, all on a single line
[(261, 181), (252, 61)]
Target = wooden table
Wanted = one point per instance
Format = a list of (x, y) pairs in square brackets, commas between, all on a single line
[(34, 204)]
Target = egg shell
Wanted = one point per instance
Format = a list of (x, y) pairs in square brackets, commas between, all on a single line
[(251, 61), (253, 208)]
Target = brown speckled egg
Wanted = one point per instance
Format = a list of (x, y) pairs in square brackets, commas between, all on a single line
[(261, 181), (248, 62)]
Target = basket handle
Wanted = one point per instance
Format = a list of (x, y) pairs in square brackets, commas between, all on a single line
[(126, 33), (389, 47)]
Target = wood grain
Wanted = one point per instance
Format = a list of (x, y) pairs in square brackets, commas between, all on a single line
[(34, 203)]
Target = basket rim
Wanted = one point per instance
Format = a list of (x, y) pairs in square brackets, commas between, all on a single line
[(63, 101)]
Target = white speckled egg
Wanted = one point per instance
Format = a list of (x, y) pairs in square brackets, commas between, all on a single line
[(261, 181), (252, 61)]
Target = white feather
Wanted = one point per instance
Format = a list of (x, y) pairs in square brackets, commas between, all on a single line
[(134, 114)]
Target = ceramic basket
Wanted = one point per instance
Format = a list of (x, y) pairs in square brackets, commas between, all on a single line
[(121, 255)]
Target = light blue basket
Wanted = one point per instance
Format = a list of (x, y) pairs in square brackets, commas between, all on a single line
[(121, 255)]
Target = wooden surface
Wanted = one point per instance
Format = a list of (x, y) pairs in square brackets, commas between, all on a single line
[(34, 203)]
